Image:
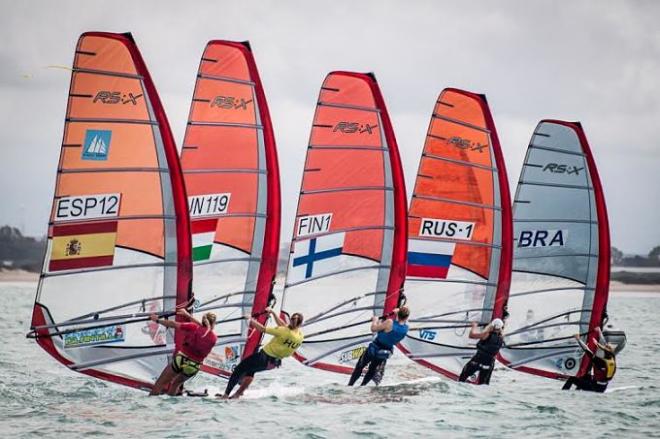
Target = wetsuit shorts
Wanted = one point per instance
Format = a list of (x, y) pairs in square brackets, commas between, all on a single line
[(184, 365), (259, 362)]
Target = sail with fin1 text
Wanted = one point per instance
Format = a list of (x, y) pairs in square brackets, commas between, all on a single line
[(561, 262), (347, 260), (118, 237), (230, 166), (459, 234)]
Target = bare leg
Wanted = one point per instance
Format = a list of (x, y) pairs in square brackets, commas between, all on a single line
[(176, 384), (163, 380), (245, 383)]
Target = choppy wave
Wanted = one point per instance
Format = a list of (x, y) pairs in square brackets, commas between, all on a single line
[(40, 397)]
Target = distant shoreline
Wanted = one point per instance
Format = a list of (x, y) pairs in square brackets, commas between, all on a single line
[(619, 287), (18, 276)]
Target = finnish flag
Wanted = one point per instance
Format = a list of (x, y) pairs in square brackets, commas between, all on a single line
[(315, 257)]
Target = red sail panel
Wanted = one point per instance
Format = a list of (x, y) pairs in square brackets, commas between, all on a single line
[(230, 164), (350, 223), (118, 220)]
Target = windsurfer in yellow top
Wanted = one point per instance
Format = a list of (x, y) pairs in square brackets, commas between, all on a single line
[(286, 339)]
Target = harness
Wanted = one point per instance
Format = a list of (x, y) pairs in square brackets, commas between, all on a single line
[(184, 365), (379, 351), (491, 346)]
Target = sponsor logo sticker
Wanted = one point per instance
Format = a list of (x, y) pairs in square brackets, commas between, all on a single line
[(354, 127), (88, 337), (352, 355), (427, 334), (97, 145), (557, 168), (230, 103), (466, 144), (116, 97), (227, 360)]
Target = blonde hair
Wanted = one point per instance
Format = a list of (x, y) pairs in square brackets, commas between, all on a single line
[(211, 318)]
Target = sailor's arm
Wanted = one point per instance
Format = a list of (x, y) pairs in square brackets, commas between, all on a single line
[(256, 325), (584, 347), (476, 334), (378, 325), (277, 318), (163, 321), (183, 313)]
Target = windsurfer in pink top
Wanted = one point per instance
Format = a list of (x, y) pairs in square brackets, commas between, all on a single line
[(199, 341)]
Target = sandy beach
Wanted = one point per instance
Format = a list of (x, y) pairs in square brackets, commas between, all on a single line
[(18, 276)]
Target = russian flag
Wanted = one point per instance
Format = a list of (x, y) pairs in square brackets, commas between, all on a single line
[(430, 259)]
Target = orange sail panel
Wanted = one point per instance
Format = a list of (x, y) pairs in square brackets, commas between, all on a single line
[(118, 241), (459, 250), (231, 173), (347, 256)]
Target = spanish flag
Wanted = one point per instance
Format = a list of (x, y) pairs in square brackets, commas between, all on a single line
[(83, 245)]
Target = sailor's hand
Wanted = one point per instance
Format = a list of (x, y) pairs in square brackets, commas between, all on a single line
[(576, 336), (182, 312), (153, 317), (268, 309), (395, 311), (247, 316), (474, 324)]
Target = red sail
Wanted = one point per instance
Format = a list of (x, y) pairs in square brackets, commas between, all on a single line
[(232, 179), (348, 251), (119, 235), (459, 248)]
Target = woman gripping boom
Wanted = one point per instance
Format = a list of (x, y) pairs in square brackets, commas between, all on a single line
[(286, 339), (198, 342)]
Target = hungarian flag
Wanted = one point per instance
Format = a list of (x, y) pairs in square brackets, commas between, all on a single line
[(83, 245), (203, 234)]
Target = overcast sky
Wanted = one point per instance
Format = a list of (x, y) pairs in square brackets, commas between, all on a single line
[(593, 61)]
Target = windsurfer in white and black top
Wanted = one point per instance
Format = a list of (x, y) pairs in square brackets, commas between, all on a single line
[(490, 342)]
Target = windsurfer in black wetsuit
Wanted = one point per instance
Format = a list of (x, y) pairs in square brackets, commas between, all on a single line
[(602, 368), (490, 342)]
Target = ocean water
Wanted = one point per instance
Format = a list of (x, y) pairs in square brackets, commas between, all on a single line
[(39, 397)]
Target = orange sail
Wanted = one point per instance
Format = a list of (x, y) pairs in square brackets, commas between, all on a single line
[(347, 260), (459, 230), (230, 165), (118, 237)]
